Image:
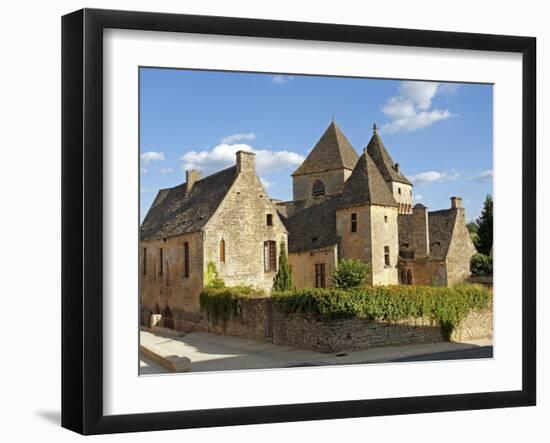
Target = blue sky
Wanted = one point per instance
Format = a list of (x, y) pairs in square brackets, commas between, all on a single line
[(440, 133)]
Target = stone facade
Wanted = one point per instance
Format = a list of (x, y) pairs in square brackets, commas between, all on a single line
[(304, 264), (232, 235), (332, 180), (374, 240)]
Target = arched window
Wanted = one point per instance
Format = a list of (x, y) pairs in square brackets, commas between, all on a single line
[(222, 251), (318, 188)]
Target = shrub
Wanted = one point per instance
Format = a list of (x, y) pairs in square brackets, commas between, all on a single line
[(350, 274), (481, 265), (211, 277), (221, 303), (283, 278), (446, 305)]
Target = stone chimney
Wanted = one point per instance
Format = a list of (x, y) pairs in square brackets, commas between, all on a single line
[(456, 202), (421, 232), (246, 162), (191, 176)]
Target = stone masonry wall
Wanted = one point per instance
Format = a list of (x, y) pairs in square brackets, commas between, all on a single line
[(460, 252), (241, 222), (333, 180), (303, 265), (256, 319)]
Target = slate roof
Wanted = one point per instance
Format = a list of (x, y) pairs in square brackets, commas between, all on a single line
[(332, 151), (366, 185), (383, 160), (313, 227), (174, 212), (440, 226)]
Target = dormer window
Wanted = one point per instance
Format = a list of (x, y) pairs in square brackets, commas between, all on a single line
[(318, 188)]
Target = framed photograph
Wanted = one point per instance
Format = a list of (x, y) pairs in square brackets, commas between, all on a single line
[(269, 221)]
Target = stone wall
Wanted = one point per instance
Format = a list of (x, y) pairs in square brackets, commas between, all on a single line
[(256, 319), (303, 265), (461, 250), (241, 222), (172, 288), (376, 229), (333, 180)]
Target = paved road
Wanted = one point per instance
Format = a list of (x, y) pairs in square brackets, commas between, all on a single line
[(210, 352), (462, 354)]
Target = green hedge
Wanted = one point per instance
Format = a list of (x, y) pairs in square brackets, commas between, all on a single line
[(446, 305), (221, 303)]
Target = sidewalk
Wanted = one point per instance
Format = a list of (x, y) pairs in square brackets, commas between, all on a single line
[(210, 352)]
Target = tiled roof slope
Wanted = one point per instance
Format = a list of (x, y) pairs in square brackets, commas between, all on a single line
[(366, 185), (313, 227), (441, 226), (383, 160), (174, 213), (332, 151)]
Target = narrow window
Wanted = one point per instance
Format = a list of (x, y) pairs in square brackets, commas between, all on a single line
[(270, 256), (318, 188), (354, 222), (161, 261), (411, 193), (387, 255), (385, 219), (222, 251), (320, 275), (399, 191), (409, 277), (144, 261), (186, 259), (269, 220)]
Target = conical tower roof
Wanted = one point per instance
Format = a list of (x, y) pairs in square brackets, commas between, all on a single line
[(332, 151), (366, 185), (383, 160)]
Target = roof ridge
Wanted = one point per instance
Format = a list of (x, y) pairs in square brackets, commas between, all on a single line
[(333, 148)]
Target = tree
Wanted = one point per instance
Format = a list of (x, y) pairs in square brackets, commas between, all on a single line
[(283, 278), (484, 224), (350, 274), (472, 229)]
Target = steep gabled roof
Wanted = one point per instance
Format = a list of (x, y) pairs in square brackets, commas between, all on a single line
[(383, 160), (441, 227), (313, 227), (366, 185), (332, 151), (174, 212)]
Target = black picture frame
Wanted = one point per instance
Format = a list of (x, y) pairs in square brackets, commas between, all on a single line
[(82, 215)]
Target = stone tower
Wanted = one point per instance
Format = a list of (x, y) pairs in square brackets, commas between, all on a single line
[(367, 222), (326, 168), (399, 185)]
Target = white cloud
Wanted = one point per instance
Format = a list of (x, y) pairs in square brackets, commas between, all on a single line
[(239, 137), (151, 156), (416, 121), (484, 176), (410, 110), (281, 79), (267, 184), (166, 170), (421, 93), (424, 178), (223, 156)]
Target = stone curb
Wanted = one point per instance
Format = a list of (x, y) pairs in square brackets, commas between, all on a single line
[(173, 363)]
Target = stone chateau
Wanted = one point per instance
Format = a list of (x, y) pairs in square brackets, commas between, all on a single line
[(344, 206)]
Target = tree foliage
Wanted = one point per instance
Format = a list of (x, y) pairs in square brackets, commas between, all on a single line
[(211, 277), (283, 278), (350, 274), (484, 224), (481, 265)]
